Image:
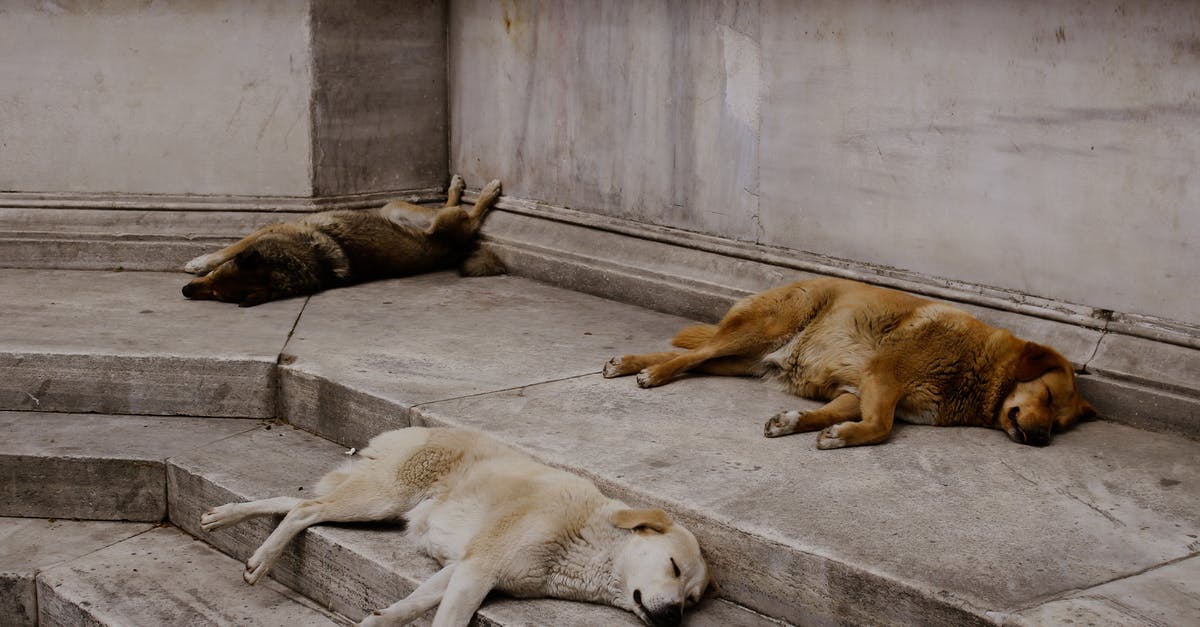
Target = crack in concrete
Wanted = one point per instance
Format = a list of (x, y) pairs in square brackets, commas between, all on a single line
[(1113, 519), (521, 388), (1082, 592), (1096, 349)]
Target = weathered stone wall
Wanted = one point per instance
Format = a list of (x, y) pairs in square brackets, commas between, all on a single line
[(222, 98), (1046, 148)]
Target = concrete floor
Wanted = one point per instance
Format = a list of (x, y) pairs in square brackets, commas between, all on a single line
[(937, 525)]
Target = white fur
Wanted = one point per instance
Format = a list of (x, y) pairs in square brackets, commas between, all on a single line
[(495, 519), (202, 264)]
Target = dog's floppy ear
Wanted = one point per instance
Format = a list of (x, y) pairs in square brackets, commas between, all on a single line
[(1035, 361), (642, 520)]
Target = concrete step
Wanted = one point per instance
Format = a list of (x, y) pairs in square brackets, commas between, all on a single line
[(96, 466), (129, 343), (165, 577), (29, 546), (936, 526), (350, 569)]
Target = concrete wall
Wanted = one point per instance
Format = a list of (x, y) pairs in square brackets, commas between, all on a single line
[(222, 97), (380, 95), (155, 98), (1046, 148)]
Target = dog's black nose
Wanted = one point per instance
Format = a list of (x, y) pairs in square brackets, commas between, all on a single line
[(667, 616), (188, 290), (1037, 439)]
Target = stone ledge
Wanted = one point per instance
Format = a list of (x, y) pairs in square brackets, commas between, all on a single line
[(31, 545), (122, 202), (94, 466), (700, 276), (164, 577)]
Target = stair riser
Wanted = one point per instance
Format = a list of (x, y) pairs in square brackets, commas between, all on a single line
[(312, 565), (93, 489)]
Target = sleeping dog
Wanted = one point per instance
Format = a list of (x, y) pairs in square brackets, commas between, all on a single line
[(343, 247), (496, 520), (876, 354)]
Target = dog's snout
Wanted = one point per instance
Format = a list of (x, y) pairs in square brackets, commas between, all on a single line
[(189, 290), (667, 615), (1036, 438)]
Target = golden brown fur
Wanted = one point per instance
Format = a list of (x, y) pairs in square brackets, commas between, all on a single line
[(336, 248), (876, 354)]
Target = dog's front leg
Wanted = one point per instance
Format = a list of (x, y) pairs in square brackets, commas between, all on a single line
[(844, 407), (467, 588), (880, 392), (424, 598)]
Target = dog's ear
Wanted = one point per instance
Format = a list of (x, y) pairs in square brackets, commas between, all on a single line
[(642, 520), (1035, 361), (712, 589)]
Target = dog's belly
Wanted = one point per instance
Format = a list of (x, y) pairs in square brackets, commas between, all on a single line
[(816, 364), (442, 529)]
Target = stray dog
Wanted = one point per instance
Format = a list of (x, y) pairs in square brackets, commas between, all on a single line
[(343, 247), (495, 519), (876, 354)]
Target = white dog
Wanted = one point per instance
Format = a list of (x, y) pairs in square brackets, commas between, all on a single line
[(495, 519)]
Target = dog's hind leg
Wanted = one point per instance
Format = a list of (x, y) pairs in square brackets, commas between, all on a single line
[(206, 263), (487, 197), (454, 192), (234, 513), (629, 364), (721, 366), (355, 499), (410, 608), (844, 407)]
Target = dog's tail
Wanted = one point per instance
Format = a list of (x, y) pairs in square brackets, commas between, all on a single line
[(694, 336)]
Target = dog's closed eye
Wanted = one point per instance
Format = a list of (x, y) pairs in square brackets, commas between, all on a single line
[(676, 567)]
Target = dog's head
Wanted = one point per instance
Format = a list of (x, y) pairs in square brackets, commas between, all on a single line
[(1044, 397), (660, 567), (269, 269)]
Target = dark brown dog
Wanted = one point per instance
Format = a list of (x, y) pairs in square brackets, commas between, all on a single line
[(876, 354), (336, 248)]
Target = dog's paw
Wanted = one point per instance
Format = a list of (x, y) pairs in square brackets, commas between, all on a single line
[(647, 379), (613, 368), (491, 190), (200, 265), (783, 423), (829, 437), (256, 567), (456, 183), (217, 517)]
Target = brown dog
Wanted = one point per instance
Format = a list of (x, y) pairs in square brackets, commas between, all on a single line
[(876, 354), (336, 248)]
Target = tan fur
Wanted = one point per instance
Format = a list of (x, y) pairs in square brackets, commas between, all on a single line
[(876, 354), (496, 519), (336, 248)]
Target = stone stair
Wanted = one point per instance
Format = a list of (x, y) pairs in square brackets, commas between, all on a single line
[(126, 402)]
